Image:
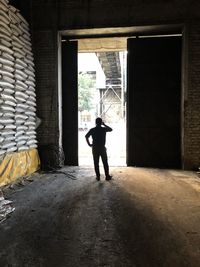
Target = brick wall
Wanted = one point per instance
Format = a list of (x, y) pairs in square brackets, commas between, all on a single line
[(192, 100), (45, 53), (46, 73)]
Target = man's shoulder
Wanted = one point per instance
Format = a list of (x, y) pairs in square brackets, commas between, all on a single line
[(95, 130), (91, 130)]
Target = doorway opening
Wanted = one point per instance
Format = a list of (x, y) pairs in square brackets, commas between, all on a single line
[(102, 93), (153, 113)]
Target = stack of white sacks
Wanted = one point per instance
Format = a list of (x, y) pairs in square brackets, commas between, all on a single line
[(17, 83)]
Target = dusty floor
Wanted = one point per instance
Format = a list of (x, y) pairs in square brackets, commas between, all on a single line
[(143, 217)]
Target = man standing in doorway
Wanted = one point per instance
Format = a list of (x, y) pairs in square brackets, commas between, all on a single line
[(98, 134)]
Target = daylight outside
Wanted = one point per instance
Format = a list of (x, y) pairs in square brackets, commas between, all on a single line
[(102, 93)]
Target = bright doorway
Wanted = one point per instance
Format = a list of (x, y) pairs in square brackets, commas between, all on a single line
[(102, 93)]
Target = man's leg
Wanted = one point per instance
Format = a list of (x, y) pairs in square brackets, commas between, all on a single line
[(104, 158), (96, 156)]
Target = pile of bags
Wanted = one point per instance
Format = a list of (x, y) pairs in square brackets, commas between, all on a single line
[(17, 83)]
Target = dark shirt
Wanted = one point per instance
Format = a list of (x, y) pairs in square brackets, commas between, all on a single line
[(98, 135)]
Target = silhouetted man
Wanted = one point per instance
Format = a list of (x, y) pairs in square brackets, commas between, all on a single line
[(98, 134)]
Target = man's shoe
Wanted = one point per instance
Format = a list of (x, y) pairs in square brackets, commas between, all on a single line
[(98, 178), (108, 178)]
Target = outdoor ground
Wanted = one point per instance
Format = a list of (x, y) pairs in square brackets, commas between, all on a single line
[(143, 217)]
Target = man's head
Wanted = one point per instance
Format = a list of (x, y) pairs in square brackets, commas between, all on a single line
[(98, 121)]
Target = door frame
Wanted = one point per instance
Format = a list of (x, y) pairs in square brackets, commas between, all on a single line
[(134, 32)]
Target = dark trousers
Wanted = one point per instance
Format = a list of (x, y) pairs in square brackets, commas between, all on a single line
[(97, 153)]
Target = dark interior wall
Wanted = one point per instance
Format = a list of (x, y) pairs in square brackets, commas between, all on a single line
[(48, 16), (45, 47), (23, 6), (192, 100), (103, 13), (47, 95)]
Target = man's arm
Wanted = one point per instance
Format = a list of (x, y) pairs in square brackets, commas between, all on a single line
[(87, 138), (108, 129)]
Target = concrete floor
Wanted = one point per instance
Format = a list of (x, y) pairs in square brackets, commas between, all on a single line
[(143, 217)]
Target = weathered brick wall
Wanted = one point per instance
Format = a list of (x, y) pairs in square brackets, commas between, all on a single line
[(192, 100), (46, 73), (46, 17), (45, 53)]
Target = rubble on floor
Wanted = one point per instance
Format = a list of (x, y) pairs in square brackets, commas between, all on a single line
[(5, 207)]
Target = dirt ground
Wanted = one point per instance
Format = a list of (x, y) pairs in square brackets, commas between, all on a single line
[(143, 217)]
